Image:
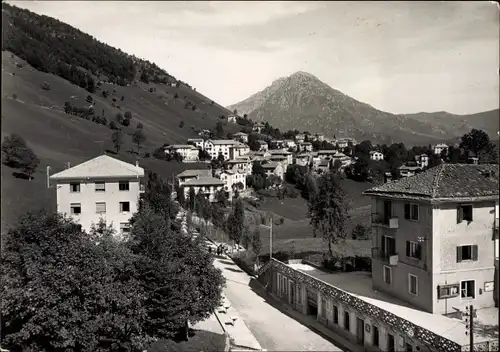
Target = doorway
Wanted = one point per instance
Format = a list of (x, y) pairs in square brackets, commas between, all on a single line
[(312, 303), (360, 331), (292, 293)]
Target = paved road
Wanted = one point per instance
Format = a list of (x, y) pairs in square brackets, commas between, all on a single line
[(274, 330)]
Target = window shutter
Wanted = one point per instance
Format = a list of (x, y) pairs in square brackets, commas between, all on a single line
[(408, 249), (419, 251), (460, 214), (459, 254), (407, 211), (474, 252)]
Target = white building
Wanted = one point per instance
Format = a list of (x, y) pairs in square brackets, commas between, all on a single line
[(241, 137), (300, 138), (197, 142), (233, 180), (239, 150), (305, 147), (208, 186), (242, 164), (214, 147), (274, 168), (422, 160), (407, 170), (258, 127), (188, 152), (377, 156), (187, 175), (231, 118), (438, 148), (303, 159), (288, 157), (101, 188), (290, 143), (344, 159), (263, 146)]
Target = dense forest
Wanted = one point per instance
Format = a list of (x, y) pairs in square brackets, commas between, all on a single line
[(55, 47)]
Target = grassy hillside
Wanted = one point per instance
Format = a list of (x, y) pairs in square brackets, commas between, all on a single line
[(58, 138)]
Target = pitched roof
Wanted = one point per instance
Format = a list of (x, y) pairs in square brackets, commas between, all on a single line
[(181, 146), (204, 181), (445, 181), (240, 134), (103, 166), (222, 141), (270, 165), (194, 173)]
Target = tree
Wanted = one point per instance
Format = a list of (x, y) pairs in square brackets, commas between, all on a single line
[(191, 198), (126, 122), (117, 139), (12, 147), (139, 126), (181, 124), (128, 115), (119, 118), (29, 162), (112, 125), (89, 99), (235, 111), (64, 289), (256, 243), (236, 221), (360, 232), (138, 138), (221, 197), (478, 142), (328, 210), (180, 282), (219, 129), (122, 98)]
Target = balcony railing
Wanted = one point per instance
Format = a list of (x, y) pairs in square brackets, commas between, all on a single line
[(386, 256), (390, 222)]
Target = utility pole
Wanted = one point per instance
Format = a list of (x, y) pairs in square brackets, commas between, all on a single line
[(469, 319)]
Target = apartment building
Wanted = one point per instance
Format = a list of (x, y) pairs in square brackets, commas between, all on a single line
[(189, 153), (242, 164), (233, 180), (274, 168), (422, 160), (300, 138), (433, 237), (239, 150), (438, 148), (101, 188), (197, 142), (241, 137), (216, 147), (305, 147)]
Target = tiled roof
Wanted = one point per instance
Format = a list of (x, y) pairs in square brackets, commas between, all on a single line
[(194, 173), (240, 134), (222, 141), (181, 146), (102, 166), (271, 165), (445, 181), (262, 142), (204, 181)]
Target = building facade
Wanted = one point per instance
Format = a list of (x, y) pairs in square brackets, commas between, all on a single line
[(377, 156), (433, 237), (101, 188), (189, 153)]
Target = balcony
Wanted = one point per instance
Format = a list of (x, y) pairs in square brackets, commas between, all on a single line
[(382, 220), (389, 257)]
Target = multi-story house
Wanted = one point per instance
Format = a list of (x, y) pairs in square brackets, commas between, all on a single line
[(187, 175), (305, 147), (241, 137), (422, 160), (188, 152), (433, 237), (409, 170), (288, 157), (231, 118), (242, 164), (344, 159), (239, 150), (319, 137), (300, 138), (258, 127), (197, 142), (208, 186), (438, 148), (216, 147), (233, 180), (101, 188), (274, 168), (263, 146), (289, 144), (375, 155), (302, 159)]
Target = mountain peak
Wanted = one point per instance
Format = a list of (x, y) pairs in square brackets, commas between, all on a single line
[(302, 75)]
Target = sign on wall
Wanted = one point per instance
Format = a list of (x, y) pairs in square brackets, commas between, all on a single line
[(489, 286)]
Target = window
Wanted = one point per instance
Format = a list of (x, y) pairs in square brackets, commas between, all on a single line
[(391, 345), (100, 186), (124, 227), (347, 321), (335, 315), (299, 294), (74, 187), (408, 347), (76, 208), (279, 282), (100, 207), (124, 207), (123, 186), (387, 275), (464, 212), (413, 250), (468, 252), (413, 284), (323, 308), (285, 285), (375, 336), (447, 291), (388, 246), (411, 211), (467, 289)]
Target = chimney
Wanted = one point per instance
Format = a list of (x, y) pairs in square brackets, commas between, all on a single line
[(136, 163), (68, 165)]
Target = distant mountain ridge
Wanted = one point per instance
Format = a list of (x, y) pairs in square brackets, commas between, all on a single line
[(302, 101)]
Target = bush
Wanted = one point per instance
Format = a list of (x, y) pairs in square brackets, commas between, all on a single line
[(14, 96), (291, 192), (147, 154), (113, 126), (128, 115), (181, 124), (126, 122), (89, 99), (122, 98)]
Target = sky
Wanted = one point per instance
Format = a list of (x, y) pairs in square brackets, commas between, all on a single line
[(400, 57)]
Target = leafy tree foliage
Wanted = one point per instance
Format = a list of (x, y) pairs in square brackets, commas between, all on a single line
[(138, 138), (360, 232), (117, 139), (67, 290), (236, 221), (328, 210), (17, 154), (69, 53), (478, 143)]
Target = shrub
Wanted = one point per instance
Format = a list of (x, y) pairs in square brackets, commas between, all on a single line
[(147, 154), (14, 96), (112, 125), (128, 115), (126, 122), (89, 99), (181, 124), (139, 126), (122, 98)]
